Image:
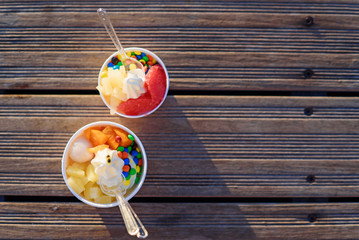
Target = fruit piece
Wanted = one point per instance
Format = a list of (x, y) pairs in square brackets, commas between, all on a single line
[(125, 141), (90, 173), (78, 150), (108, 130), (156, 82), (112, 137), (75, 172), (95, 192), (74, 184), (97, 148), (81, 166), (97, 137), (104, 199), (134, 107), (87, 189)]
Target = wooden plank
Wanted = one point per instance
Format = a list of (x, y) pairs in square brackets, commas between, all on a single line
[(182, 221), (198, 146), (205, 45)]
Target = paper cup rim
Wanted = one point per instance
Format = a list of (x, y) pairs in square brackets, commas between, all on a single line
[(104, 123)]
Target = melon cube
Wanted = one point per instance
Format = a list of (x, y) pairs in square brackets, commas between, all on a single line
[(75, 185), (75, 171), (105, 199), (90, 173)]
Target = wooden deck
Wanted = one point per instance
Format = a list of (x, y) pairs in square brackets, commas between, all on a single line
[(258, 138)]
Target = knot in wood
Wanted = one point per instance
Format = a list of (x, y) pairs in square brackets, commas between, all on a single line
[(309, 21), (308, 73)]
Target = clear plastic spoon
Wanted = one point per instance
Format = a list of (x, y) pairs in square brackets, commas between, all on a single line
[(128, 62), (133, 224)]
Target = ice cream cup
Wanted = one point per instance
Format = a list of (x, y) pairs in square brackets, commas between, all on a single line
[(132, 49), (132, 191)]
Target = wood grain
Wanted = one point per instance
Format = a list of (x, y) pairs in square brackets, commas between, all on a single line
[(182, 221), (197, 146), (206, 45)]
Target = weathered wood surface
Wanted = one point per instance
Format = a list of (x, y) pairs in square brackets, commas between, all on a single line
[(206, 45), (197, 146), (182, 221)]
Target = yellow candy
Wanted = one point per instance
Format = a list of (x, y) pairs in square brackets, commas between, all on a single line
[(137, 149), (154, 61), (127, 182), (142, 61), (119, 57), (138, 52), (138, 169), (128, 54), (104, 74), (132, 66)]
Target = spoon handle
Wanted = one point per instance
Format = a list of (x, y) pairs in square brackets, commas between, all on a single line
[(142, 233), (109, 28), (127, 215)]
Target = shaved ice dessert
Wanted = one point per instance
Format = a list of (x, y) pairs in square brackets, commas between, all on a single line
[(107, 153), (131, 94)]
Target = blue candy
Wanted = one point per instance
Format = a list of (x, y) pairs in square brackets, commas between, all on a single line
[(110, 64), (125, 174), (126, 150), (138, 57), (134, 153), (143, 54), (127, 161), (135, 160), (116, 67)]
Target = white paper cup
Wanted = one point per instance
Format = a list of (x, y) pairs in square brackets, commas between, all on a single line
[(132, 191), (132, 49)]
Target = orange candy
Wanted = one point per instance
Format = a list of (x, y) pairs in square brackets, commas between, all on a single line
[(126, 168), (124, 155), (140, 162), (119, 154)]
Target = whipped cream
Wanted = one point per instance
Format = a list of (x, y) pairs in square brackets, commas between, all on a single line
[(108, 166), (133, 84)]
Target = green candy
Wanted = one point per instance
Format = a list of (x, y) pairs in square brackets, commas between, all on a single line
[(130, 137), (145, 58), (119, 64), (128, 177), (139, 155), (129, 149), (133, 54), (121, 149), (132, 171), (137, 180)]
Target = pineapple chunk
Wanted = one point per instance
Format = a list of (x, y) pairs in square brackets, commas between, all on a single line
[(90, 173), (75, 172), (104, 199), (81, 166), (87, 190), (94, 192), (75, 184)]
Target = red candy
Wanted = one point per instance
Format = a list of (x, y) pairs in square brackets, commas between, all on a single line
[(155, 85), (118, 139)]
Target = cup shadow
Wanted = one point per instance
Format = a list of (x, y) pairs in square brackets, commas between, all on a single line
[(182, 196)]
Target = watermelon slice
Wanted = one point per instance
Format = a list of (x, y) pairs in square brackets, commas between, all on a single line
[(155, 84)]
